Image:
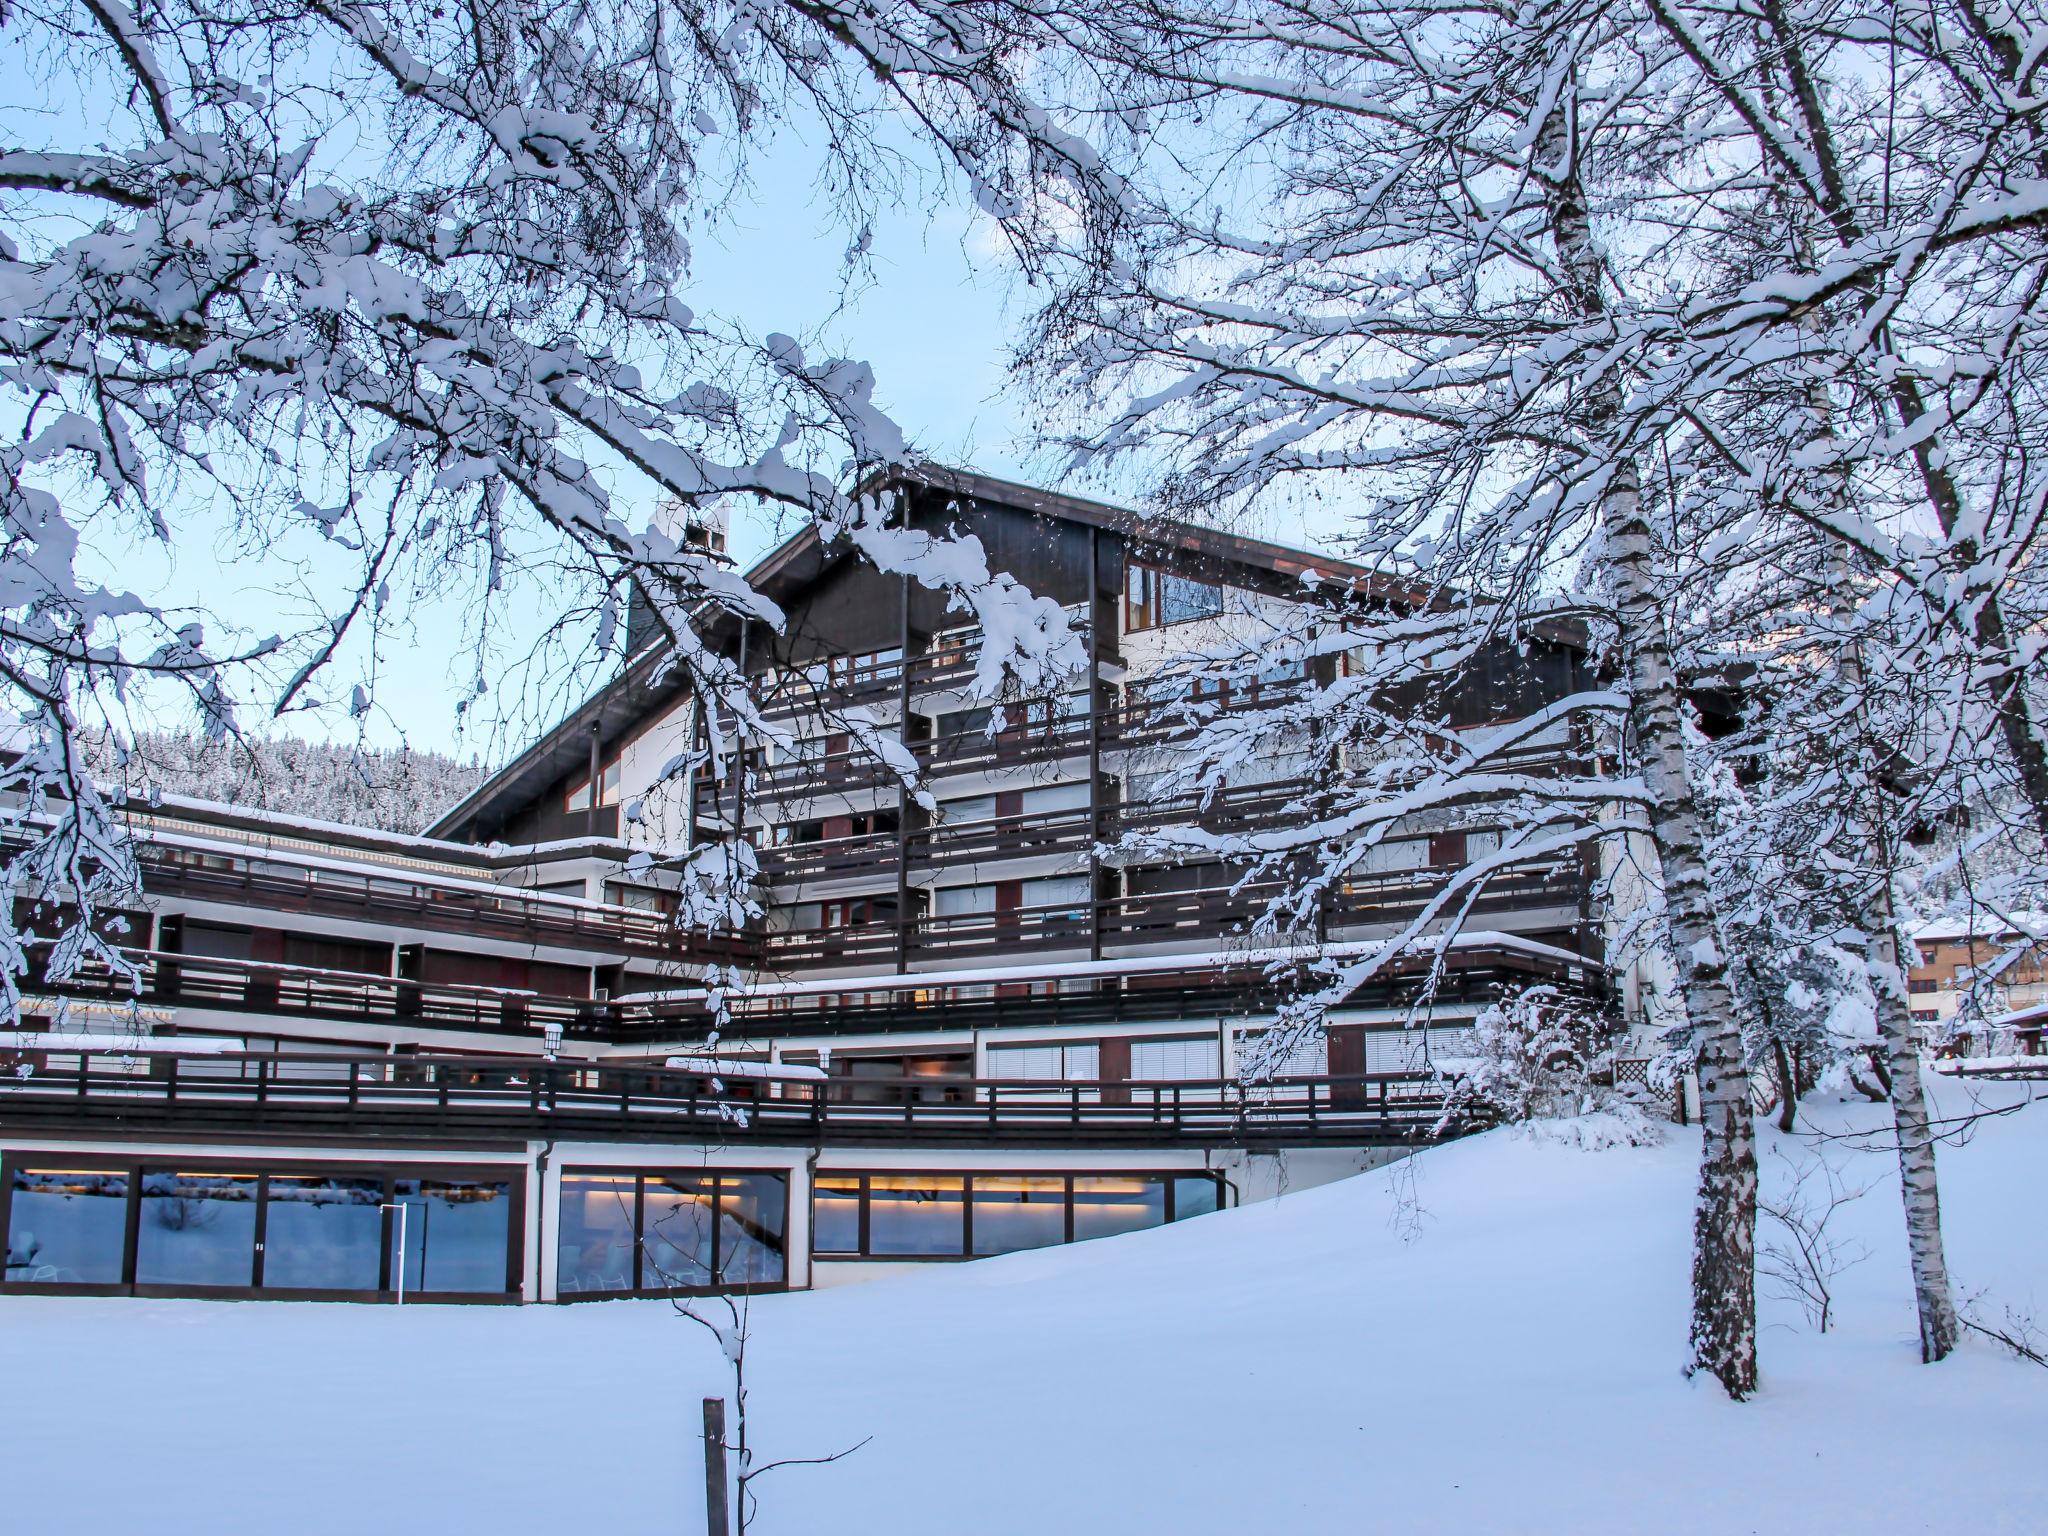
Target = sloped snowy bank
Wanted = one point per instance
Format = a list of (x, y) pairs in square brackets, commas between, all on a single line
[(1486, 1339)]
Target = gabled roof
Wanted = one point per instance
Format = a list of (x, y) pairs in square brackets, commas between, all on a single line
[(646, 685)]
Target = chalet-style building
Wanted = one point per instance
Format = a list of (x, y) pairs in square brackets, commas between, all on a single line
[(485, 1063), (1989, 964)]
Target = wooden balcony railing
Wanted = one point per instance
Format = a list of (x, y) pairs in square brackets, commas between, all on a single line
[(302, 993), (468, 1098), (280, 885), (1156, 918)]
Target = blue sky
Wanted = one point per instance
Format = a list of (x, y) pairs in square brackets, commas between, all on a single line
[(935, 317)]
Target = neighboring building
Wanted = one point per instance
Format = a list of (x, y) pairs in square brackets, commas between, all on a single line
[(1987, 968), (480, 1064)]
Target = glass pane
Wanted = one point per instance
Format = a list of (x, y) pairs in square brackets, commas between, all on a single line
[(676, 1252), (835, 1214), (323, 1233), (197, 1229), (1013, 1213), (595, 1251), (1195, 1197), (913, 1214), (750, 1210), (66, 1228), (1106, 1206), (457, 1234)]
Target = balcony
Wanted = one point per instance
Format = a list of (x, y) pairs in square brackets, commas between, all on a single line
[(462, 1099)]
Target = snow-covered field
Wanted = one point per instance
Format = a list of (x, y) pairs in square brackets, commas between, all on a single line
[(1495, 1349)]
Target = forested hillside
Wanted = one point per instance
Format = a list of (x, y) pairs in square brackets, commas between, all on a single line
[(398, 790)]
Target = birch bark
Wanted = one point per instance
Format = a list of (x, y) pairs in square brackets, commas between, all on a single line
[(1724, 1220)]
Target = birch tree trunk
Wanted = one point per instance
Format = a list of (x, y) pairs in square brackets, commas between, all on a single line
[(1724, 1218), (1931, 1294), (1877, 918)]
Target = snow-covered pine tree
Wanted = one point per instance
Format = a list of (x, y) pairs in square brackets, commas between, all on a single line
[(394, 790)]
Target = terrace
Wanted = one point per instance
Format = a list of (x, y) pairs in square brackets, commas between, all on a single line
[(469, 1099)]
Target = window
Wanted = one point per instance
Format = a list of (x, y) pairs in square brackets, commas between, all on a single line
[(1308, 1055), (641, 898), (1154, 599), (1018, 1211), (963, 900), (607, 789), (197, 1230), (1192, 1059), (323, 1232), (1104, 1207), (915, 1215), (628, 1231), (66, 1228), (291, 1231), (957, 1216), (1046, 1063), (1923, 984), (455, 1233), (1927, 1015)]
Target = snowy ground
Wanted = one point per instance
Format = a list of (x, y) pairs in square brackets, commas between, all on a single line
[(1500, 1355)]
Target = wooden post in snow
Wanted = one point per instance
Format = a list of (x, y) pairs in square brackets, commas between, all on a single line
[(717, 1514)]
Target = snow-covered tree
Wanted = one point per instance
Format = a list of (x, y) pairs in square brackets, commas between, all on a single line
[(389, 299), (398, 790), (1389, 277)]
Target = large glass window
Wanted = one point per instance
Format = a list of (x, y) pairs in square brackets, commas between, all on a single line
[(916, 1215), (679, 1250), (670, 1231), (751, 1211), (835, 1214), (943, 1216), (197, 1229), (1018, 1211), (596, 1249), (323, 1232), (66, 1228), (1106, 1206), (456, 1234)]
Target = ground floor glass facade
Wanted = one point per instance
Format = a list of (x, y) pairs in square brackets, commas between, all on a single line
[(260, 1230), (641, 1231), (959, 1216)]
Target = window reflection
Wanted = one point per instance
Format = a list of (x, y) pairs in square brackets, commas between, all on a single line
[(835, 1214), (1104, 1207), (1012, 1213), (1195, 1197), (668, 1230), (596, 1250), (920, 1215), (916, 1215), (750, 1238), (456, 1234), (197, 1229), (680, 1232), (322, 1233), (66, 1228)]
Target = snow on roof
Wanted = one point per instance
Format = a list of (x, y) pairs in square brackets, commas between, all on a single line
[(1983, 927), (119, 1045), (2021, 1018), (714, 1066)]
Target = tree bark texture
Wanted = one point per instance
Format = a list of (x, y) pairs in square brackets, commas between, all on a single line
[(1724, 1223)]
